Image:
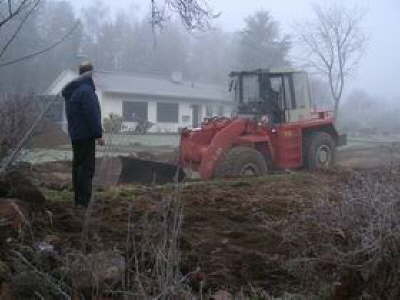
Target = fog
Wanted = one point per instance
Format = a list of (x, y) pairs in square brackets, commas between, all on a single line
[(378, 69), (127, 43)]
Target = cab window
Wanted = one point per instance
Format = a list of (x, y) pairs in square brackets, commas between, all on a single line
[(251, 90), (301, 89)]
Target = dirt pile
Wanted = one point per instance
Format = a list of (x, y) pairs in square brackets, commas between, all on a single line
[(231, 231), (49, 135), (16, 184), (19, 198), (52, 175)]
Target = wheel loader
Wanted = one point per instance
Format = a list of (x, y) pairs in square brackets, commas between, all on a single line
[(274, 127)]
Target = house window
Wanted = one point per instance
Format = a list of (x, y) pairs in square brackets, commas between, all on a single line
[(134, 111), (168, 112)]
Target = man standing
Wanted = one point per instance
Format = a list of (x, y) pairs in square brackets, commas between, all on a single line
[(84, 126)]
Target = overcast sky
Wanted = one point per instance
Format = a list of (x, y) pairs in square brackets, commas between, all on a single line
[(378, 72)]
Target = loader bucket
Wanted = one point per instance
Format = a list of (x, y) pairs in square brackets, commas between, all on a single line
[(130, 170), (134, 170)]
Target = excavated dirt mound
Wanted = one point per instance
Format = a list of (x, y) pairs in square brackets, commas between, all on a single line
[(234, 232), (49, 135), (230, 228), (110, 171)]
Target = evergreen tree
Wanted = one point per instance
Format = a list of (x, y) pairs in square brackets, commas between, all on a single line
[(261, 44)]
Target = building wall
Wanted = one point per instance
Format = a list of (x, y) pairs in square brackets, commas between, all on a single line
[(112, 103)]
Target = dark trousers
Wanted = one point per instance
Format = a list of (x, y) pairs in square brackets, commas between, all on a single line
[(83, 167)]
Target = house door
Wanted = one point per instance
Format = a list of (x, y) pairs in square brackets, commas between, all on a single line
[(195, 116)]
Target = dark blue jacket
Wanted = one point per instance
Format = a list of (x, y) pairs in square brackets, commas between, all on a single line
[(82, 109)]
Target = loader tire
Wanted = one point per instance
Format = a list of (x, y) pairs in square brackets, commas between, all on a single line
[(241, 162), (319, 151)]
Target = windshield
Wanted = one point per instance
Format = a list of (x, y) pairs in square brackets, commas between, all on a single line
[(251, 90)]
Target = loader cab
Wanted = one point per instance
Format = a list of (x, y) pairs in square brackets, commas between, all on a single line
[(282, 95)]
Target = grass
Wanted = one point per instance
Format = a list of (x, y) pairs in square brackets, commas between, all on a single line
[(58, 196)]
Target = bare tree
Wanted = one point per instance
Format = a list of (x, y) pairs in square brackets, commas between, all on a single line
[(11, 9), (18, 12), (15, 14), (17, 113), (195, 14), (334, 42)]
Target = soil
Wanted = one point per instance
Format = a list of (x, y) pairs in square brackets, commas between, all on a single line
[(49, 135), (231, 229), (57, 175)]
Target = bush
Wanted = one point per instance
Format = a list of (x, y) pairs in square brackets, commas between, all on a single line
[(17, 113), (349, 247), (113, 123)]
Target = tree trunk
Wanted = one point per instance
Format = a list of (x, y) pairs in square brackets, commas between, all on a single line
[(336, 109)]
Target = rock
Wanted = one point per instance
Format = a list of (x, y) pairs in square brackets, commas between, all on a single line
[(98, 268), (16, 185), (13, 214), (23, 189)]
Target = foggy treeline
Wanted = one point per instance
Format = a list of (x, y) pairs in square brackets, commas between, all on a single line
[(365, 113), (49, 21), (124, 41)]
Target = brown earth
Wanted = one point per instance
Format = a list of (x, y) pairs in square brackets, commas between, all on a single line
[(49, 135), (57, 175), (232, 230)]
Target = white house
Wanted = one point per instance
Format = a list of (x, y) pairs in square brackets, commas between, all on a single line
[(169, 103)]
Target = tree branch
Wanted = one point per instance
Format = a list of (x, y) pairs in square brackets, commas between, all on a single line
[(195, 14), (26, 57), (26, 17), (12, 14), (335, 42)]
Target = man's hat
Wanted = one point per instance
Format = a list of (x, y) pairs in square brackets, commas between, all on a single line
[(85, 67)]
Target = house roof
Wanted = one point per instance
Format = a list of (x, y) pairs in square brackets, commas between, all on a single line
[(153, 85), (146, 85)]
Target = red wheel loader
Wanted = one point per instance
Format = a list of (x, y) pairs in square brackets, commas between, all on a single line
[(275, 127)]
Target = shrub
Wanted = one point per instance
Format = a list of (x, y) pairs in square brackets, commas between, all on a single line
[(113, 123)]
